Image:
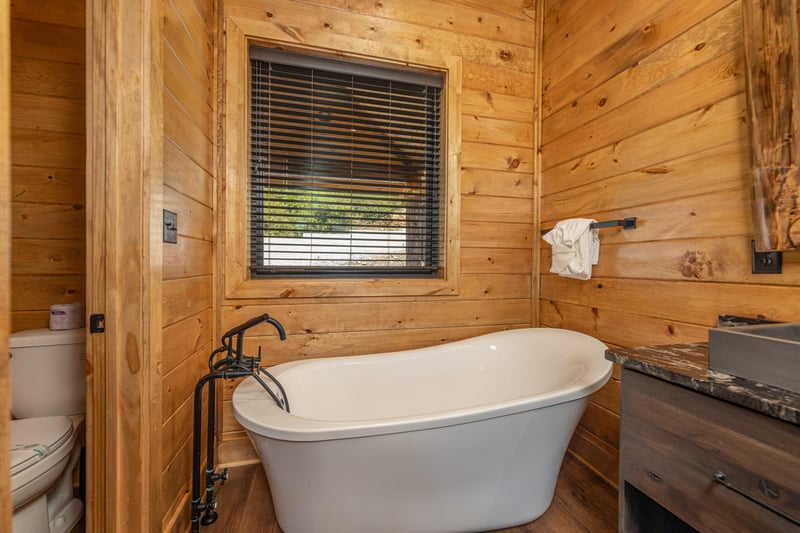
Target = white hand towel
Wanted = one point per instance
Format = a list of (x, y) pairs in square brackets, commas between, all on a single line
[(576, 247)]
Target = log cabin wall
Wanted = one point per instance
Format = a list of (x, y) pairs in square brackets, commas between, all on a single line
[(48, 147), (189, 106), (644, 115), (496, 179)]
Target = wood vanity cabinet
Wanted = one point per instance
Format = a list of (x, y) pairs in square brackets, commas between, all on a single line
[(689, 462)]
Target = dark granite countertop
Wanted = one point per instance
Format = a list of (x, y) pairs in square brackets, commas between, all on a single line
[(687, 365)]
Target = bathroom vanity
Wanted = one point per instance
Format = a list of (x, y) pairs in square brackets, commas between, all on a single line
[(702, 450)]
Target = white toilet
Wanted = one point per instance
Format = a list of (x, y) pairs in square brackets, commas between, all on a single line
[(48, 401)]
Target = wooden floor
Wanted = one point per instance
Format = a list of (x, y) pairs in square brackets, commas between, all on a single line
[(583, 503)]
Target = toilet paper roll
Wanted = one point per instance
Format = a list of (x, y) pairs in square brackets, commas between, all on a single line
[(66, 316)]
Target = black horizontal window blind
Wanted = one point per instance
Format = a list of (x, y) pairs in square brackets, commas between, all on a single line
[(344, 168)]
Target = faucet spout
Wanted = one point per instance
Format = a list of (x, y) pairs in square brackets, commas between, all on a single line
[(278, 326)]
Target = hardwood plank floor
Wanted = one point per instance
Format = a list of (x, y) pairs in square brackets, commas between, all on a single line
[(583, 503)]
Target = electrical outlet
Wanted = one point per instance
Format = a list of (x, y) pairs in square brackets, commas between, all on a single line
[(767, 262), (170, 227)]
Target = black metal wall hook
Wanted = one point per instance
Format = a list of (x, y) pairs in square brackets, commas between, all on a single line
[(233, 364)]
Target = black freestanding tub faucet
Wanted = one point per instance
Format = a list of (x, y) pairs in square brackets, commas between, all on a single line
[(233, 364)]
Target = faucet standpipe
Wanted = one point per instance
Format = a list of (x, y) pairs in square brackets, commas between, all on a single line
[(235, 364)]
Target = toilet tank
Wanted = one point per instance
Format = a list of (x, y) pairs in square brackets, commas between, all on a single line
[(48, 372)]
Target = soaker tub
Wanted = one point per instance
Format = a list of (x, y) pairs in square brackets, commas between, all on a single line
[(464, 436)]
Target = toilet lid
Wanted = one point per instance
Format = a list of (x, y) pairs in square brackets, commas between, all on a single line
[(33, 439)]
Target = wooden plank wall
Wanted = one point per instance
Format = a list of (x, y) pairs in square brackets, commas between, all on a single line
[(189, 105), (48, 158), (644, 115), (496, 191)]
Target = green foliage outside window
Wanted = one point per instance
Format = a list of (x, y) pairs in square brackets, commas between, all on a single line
[(290, 213)]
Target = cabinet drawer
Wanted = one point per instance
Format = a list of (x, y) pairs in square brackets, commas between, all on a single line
[(717, 466)]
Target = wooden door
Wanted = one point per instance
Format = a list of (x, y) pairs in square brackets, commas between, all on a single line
[(124, 135), (95, 268)]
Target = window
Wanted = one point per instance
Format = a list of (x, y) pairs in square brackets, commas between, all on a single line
[(346, 178)]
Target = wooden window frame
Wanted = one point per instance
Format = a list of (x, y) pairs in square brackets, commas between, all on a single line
[(234, 198)]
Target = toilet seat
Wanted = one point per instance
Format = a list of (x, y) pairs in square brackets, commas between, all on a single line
[(40, 450)]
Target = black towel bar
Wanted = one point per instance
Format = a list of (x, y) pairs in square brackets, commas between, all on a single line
[(626, 223)]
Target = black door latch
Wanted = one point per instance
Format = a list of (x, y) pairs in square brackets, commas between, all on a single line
[(97, 323)]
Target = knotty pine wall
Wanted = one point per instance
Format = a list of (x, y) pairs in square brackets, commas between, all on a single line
[(644, 115), (496, 193), (189, 106), (48, 153)]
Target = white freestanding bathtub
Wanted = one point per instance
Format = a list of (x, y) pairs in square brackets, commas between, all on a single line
[(465, 436)]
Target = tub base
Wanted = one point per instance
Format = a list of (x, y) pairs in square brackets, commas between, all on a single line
[(476, 476)]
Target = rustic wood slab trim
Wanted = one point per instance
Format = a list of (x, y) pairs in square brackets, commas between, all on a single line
[(773, 98)]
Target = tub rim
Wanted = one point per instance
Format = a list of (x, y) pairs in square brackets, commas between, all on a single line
[(255, 413)]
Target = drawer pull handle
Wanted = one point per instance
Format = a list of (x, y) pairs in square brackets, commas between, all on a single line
[(655, 477), (767, 490), (721, 478)]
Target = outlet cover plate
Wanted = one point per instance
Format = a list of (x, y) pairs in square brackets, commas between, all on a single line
[(767, 262)]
